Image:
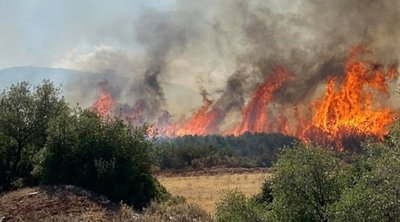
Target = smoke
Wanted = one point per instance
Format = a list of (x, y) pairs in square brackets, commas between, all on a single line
[(235, 45), (160, 34)]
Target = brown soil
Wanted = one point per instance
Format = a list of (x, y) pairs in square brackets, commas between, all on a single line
[(56, 203)]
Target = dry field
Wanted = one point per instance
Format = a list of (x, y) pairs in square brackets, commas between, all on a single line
[(205, 190)]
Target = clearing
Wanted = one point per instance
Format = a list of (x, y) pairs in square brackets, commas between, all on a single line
[(205, 188)]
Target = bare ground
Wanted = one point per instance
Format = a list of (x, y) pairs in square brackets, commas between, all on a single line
[(57, 203)]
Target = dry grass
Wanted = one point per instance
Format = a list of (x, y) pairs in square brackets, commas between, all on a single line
[(205, 190)]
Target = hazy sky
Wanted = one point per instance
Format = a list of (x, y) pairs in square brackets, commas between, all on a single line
[(41, 32)]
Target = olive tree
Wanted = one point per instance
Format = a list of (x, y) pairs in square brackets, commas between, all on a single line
[(25, 112)]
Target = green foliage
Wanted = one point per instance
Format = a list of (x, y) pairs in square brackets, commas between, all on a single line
[(107, 156), (25, 112), (376, 193), (196, 152), (265, 197), (305, 181), (236, 207)]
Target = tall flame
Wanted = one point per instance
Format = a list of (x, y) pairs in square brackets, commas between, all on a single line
[(349, 110), (254, 115)]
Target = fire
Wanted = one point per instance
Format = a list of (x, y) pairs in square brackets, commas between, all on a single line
[(350, 108), (254, 115), (349, 111), (201, 123), (105, 103)]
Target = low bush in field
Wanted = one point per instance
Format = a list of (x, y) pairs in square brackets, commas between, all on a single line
[(236, 207), (174, 210)]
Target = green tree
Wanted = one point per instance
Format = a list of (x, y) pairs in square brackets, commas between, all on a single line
[(375, 194), (107, 156), (306, 180), (24, 114)]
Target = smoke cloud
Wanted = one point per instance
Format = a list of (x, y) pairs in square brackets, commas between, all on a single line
[(233, 46)]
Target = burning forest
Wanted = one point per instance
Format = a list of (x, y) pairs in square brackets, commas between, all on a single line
[(333, 88), (350, 108)]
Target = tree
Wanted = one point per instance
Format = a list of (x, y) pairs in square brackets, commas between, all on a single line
[(375, 194), (105, 155), (306, 180), (24, 115)]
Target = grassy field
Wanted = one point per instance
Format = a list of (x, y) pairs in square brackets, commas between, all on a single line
[(205, 190)]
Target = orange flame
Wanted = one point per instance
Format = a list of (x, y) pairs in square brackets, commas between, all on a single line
[(105, 103), (349, 109), (201, 123), (255, 116)]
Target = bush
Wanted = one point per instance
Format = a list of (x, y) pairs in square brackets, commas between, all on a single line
[(375, 194), (236, 207), (175, 210), (265, 197), (107, 156), (306, 180), (313, 184)]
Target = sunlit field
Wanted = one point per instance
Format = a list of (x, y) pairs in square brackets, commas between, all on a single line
[(205, 190)]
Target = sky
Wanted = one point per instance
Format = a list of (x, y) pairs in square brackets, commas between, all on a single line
[(42, 32), (219, 48)]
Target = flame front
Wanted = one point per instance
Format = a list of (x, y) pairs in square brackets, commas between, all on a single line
[(350, 109)]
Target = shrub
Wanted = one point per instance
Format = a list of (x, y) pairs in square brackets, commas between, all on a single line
[(375, 194), (265, 197), (306, 180), (236, 207), (107, 156), (175, 210)]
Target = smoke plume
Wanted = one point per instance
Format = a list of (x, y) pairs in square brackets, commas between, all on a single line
[(233, 46)]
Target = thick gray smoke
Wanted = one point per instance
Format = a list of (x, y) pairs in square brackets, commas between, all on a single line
[(160, 34), (233, 45)]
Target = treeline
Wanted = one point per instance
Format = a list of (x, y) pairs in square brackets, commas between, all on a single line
[(44, 141), (197, 152)]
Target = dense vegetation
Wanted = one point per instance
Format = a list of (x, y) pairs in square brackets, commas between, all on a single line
[(313, 184), (43, 141), (25, 113), (197, 152)]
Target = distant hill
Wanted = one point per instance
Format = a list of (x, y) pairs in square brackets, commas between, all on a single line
[(35, 75), (83, 87)]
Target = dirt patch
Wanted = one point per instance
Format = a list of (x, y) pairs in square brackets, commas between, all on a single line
[(56, 203)]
